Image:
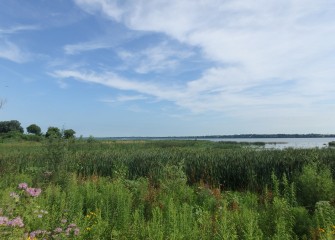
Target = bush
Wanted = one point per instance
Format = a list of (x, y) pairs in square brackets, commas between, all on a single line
[(314, 184)]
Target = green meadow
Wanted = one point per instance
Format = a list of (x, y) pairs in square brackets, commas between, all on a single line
[(168, 189)]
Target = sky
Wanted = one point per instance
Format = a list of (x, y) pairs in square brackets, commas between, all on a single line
[(108, 68)]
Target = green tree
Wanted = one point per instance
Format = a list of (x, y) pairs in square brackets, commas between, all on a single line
[(10, 126), (53, 132), (69, 133), (34, 129)]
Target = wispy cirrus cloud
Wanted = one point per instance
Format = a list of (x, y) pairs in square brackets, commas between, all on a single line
[(158, 58), (111, 79), (124, 98), (12, 52), (18, 28), (8, 49), (198, 97), (85, 46), (255, 45)]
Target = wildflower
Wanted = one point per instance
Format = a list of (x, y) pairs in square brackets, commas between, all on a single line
[(14, 195), (58, 230), (76, 231), (63, 221), (34, 192), (3, 220), (23, 185), (72, 225), (321, 230), (16, 222), (67, 231), (38, 232)]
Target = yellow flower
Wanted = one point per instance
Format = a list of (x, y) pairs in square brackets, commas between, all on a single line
[(321, 230)]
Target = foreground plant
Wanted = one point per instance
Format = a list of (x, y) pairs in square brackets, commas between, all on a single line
[(23, 218)]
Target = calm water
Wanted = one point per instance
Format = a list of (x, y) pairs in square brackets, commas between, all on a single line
[(281, 143)]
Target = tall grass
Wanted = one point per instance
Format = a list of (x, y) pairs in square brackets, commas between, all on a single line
[(168, 190)]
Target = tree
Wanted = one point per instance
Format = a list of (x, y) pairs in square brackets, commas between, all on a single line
[(69, 133), (10, 126), (53, 132), (34, 129)]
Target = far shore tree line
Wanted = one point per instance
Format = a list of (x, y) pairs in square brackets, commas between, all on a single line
[(13, 128)]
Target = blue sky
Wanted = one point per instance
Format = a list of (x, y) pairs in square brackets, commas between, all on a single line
[(169, 67)]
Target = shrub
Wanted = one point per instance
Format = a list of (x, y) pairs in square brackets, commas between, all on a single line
[(314, 184)]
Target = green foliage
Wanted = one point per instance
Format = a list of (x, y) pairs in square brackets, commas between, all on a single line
[(53, 132), (10, 126), (34, 129), (315, 184), (69, 133), (139, 190)]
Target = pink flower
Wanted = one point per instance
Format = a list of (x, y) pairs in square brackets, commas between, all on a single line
[(34, 192), (16, 222), (58, 230), (76, 231), (23, 185), (63, 221)]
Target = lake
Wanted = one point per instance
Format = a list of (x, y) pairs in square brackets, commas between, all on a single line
[(281, 143)]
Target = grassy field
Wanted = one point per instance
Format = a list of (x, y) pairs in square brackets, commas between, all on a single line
[(88, 189)]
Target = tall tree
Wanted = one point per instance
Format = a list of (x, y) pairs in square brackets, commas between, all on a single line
[(34, 129), (69, 133), (10, 126), (53, 132)]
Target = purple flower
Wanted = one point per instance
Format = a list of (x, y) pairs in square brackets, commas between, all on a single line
[(23, 185), (67, 231), (16, 222), (34, 192), (76, 231), (63, 221), (38, 232), (58, 230), (72, 225)]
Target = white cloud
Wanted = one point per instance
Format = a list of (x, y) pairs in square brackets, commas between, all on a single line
[(84, 47), (113, 80), (18, 28), (12, 52), (124, 98), (253, 44), (159, 58), (8, 49)]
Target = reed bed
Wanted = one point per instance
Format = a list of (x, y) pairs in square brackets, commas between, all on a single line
[(166, 190)]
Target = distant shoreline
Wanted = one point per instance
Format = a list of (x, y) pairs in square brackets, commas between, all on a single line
[(234, 136)]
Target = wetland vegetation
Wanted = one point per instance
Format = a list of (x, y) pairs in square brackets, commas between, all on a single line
[(90, 189)]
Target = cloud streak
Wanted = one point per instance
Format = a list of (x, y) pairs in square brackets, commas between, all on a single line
[(159, 58), (8, 49), (254, 45), (12, 52), (72, 49)]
